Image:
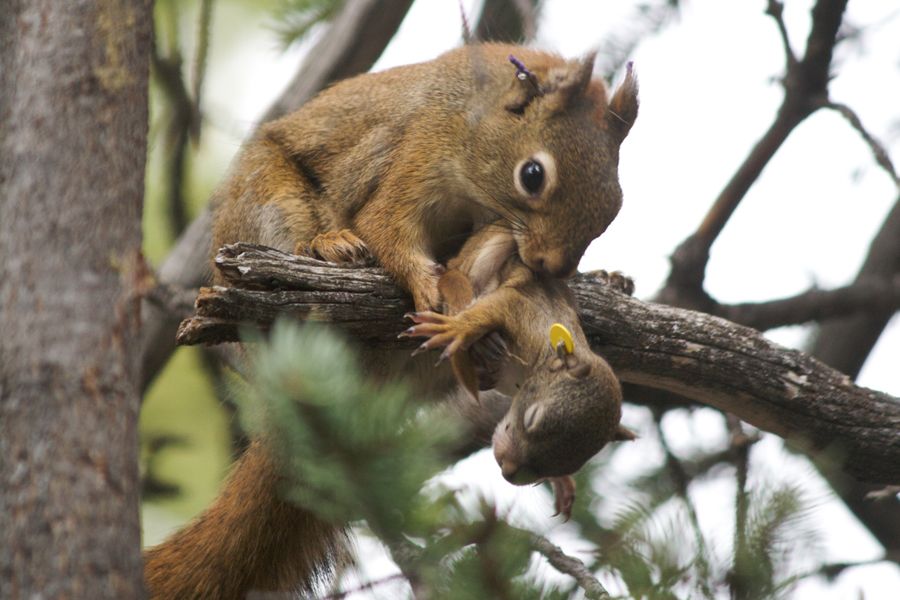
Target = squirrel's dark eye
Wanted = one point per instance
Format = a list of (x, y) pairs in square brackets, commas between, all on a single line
[(531, 175)]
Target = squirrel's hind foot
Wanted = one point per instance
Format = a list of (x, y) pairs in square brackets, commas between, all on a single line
[(564, 495), (441, 330)]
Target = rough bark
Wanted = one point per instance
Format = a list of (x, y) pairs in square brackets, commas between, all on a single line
[(73, 77), (701, 357), (359, 35), (845, 344)]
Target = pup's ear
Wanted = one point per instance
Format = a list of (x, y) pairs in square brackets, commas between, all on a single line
[(577, 368), (623, 434)]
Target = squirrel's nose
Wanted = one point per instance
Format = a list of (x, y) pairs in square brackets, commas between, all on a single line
[(552, 263), (508, 468)]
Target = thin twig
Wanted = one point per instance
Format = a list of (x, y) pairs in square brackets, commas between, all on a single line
[(740, 448), (168, 72), (569, 565), (831, 570), (878, 150), (775, 9)]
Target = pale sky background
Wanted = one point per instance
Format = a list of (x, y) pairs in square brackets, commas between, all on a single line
[(707, 94)]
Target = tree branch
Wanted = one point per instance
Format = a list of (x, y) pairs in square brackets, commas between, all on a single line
[(701, 357), (569, 565), (867, 295), (805, 90), (357, 37), (879, 153)]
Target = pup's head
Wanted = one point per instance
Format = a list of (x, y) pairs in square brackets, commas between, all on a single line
[(563, 414)]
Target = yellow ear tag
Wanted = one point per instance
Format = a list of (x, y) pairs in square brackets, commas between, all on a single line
[(558, 334)]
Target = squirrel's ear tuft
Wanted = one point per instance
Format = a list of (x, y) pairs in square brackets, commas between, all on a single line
[(623, 107), (623, 434), (568, 83)]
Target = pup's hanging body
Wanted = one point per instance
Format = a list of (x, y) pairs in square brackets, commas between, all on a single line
[(567, 402)]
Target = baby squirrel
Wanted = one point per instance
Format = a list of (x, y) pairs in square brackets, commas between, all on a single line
[(411, 160), (567, 402)]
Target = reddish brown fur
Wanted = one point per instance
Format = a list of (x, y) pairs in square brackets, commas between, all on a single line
[(411, 159), (247, 540)]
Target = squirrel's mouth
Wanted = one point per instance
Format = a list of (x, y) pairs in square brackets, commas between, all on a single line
[(521, 476)]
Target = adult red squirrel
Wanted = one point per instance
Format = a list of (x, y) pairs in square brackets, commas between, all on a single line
[(406, 164), (410, 160)]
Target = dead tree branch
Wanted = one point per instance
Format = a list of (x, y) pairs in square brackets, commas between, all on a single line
[(805, 90), (881, 295), (704, 358), (569, 565)]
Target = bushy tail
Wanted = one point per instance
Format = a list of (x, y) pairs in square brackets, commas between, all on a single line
[(248, 540)]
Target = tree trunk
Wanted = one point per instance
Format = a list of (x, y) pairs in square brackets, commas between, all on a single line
[(73, 136)]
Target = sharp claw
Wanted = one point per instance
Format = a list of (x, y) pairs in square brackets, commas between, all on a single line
[(420, 349)]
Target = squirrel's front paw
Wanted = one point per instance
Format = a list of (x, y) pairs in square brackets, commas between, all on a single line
[(441, 331), (617, 280), (342, 246)]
